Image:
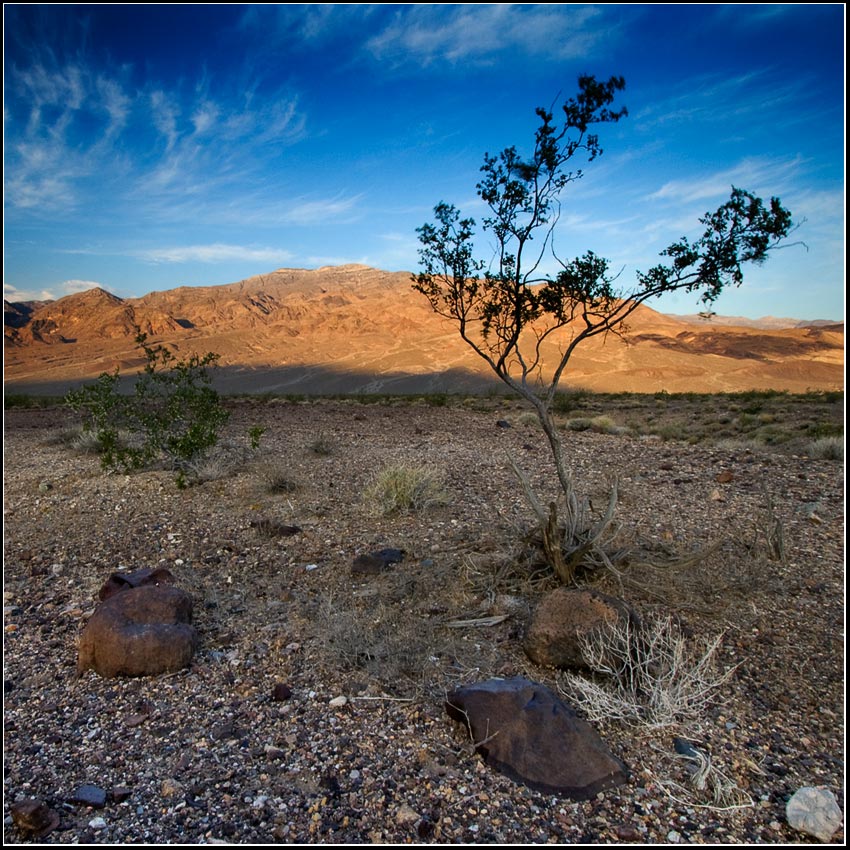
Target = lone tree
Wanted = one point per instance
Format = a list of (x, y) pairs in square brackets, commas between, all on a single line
[(505, 309)]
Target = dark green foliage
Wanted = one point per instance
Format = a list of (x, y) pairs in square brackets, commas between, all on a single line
[(495, 303), (172, 413)]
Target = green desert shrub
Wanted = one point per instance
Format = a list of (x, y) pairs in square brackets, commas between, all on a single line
[(528, 417), (172, 413)]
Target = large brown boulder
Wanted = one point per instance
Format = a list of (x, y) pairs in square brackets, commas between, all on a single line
[(566, 617), (139, 631), (526, 732)]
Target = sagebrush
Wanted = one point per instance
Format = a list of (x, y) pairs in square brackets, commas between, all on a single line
[(648, 675)]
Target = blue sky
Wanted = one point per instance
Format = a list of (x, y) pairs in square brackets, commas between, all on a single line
[(153, 146)]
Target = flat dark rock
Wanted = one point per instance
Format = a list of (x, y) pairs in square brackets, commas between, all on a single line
[(376, 562), (89, 795), (526, 732)]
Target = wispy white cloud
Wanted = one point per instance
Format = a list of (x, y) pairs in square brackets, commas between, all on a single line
[(751, 173), (318, 211), (165, 112), (214, 253), (426, 34), (71, 132), (70, 286)]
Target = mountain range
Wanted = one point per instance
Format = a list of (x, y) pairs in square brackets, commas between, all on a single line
[(357, 329)]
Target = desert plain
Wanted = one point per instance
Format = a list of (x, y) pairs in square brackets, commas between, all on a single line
[(737, 538)]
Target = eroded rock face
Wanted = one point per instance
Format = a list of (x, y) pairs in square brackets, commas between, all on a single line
[(564, 618), (525, 731), (139, 631)]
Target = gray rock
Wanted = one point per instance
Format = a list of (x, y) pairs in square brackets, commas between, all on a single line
[(89, 795), (526, 732), (564, 618), (814, 811)]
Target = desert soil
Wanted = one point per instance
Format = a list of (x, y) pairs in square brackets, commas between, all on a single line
[(210, 755)]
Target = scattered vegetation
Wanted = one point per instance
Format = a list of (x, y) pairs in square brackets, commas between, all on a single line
[(406, 488), (322, 445), (827, 448), (646, 675), (22, 400), (172, 414), (278, 481)]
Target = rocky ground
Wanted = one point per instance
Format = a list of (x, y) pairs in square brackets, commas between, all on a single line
[(251, 743)]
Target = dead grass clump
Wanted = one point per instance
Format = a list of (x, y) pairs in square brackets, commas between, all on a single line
[(826, 448), (322, 445), (75, 439), (402, 489), (225, 460), (278, 481), (384, 639), (512, 572), (647, 676), (401, 634)]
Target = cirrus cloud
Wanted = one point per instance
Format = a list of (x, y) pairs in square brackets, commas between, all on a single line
[(215, 253)]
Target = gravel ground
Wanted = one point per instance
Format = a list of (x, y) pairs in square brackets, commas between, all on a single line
[(215, 754)]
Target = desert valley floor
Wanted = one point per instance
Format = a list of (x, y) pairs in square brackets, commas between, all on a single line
[(209, 755)]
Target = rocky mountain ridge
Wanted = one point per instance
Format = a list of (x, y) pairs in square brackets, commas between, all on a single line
[(354, 328)]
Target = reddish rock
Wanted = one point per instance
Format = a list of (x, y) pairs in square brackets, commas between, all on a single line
[(140, 631), (281, 692), (564, 618)]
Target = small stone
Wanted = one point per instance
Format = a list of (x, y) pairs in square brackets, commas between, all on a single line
[(673, 837), (170, 788), (717, 496), (120, 793), (724, 477), (338, 702), (814, 811), (376, 562), (90, 795), (97, 823), (281, 692), (406, 815), (627, 832)]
